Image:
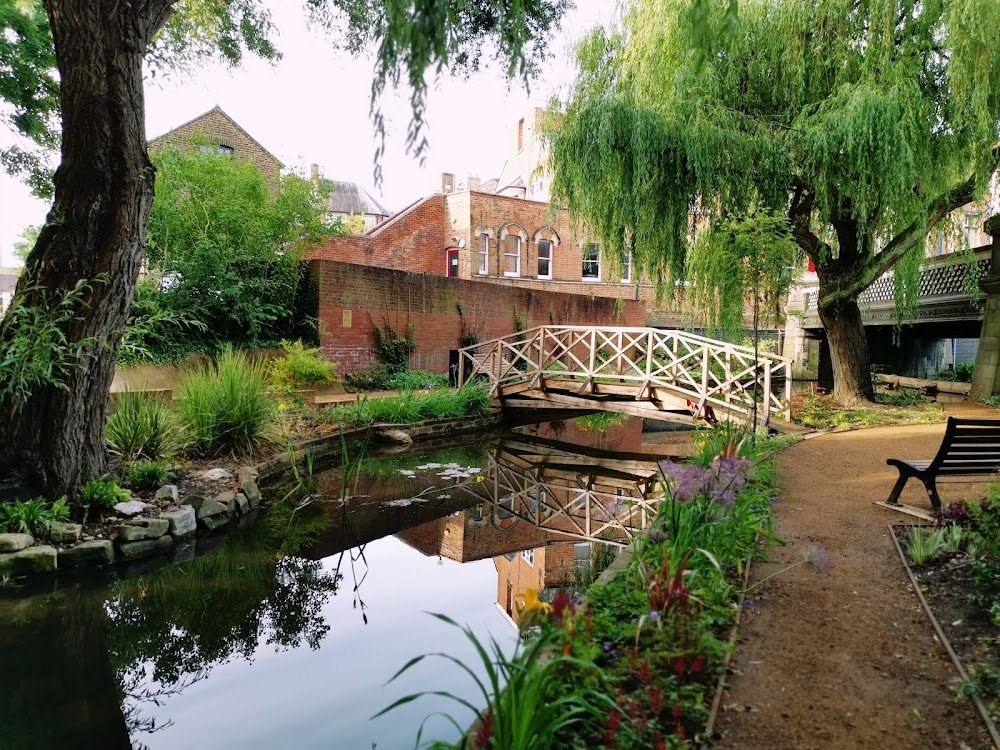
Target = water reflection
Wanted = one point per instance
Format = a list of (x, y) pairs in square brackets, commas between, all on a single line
[(249, 645)]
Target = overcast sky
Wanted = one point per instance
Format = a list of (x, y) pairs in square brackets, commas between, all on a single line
[(312, 107)]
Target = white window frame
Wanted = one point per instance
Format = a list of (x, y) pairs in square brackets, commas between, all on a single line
[(627, 267), (528, 555), (973, 223), (484, 255), (538, 244), (596, 261), (517, 257)]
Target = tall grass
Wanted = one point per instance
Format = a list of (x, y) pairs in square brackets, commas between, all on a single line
[(409, 408), (142, 427), (226, 408)]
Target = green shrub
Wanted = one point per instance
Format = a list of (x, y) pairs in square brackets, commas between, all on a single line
[(102, 493), (226, 409), (31, 516), (301, 367), (993, 400), (408, 408), (901, 397), (376, 378), (924, 543), (960, 373), (146, 475), (417, 380), (141, 426)]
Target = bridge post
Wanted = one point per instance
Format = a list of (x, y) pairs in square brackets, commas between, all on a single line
[(986, 375)]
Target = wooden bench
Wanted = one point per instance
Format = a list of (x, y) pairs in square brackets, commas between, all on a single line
[(970, 447)]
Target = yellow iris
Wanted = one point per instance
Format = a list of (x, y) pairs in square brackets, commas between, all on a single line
[(530, 604)]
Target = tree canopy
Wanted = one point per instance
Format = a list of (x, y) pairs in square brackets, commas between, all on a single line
[(863, 122), (94, 238)]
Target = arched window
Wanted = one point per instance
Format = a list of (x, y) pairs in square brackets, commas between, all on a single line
[(513, 238), (484, 237)]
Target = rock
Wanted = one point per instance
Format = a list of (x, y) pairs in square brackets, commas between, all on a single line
[(248, 484), (131, 508), (242, 504), (229, 500), (99, 552), (183, 521), (212, 508), (30, 561), (65, 533), (143, 528), (15, 542), (217, 475), (211, 523), (131, 550), (195, 501), (396, 436), (183, 552), (168, 492)]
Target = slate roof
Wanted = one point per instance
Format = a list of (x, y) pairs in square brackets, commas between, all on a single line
[(351, 198)]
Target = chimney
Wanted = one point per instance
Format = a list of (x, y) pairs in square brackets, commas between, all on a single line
[(314, 172), (474, 182), (447, 182)]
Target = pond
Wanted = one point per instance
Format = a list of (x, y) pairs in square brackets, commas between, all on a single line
[(284, 634)]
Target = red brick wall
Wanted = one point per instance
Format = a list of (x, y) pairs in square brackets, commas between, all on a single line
[(418, 238), (411, 241), (367, 295)]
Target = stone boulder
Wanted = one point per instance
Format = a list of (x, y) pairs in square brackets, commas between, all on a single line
[(146, 547), (143, 528), (65, 533), (248, 484), (217, 475), (183, 521), (85, 554), (15, 542), (130, 508), (229, 500), (30, 561), (168, 492)]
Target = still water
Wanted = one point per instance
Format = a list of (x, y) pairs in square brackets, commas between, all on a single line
[(284, 635)]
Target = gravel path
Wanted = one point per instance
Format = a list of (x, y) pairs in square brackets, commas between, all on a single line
[(845, 659)]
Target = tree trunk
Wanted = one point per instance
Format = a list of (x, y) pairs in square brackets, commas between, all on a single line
[(97, 226), (845, 333)]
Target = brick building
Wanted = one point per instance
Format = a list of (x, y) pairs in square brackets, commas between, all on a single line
[(216, 132)]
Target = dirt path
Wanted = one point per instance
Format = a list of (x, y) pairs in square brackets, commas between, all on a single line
[(847, 659)]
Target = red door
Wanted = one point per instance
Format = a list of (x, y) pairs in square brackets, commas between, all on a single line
[(453, 262)]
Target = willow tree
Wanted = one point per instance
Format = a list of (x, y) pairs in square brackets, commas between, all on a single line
[(60, 338), (864, 122)]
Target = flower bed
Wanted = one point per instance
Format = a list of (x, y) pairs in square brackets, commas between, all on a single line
[(635, 662)]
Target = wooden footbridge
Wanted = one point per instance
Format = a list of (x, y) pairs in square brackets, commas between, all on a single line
[(647, 372), (572, 492)]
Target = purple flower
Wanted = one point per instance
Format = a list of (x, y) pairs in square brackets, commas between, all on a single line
[(656, 536), (747, 603), (721, 482), (819, 558), (654, 616)]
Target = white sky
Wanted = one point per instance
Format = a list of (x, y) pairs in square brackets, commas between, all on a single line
[(312, 107)]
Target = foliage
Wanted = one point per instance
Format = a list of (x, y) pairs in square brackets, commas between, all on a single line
[(30, 88), (471, 400), (141, 426), (301, 367), (102, 494), (155, 333), (741, 262), (226, 252), (524, 702), (31, 516), (992, 400), (824, 412), (226, 408), (39, 352), (382, 378), (393, 347), (834, 114), (901, 397), (28, 239), (602, 421), (924, 543), (146, 475), (960, 373)]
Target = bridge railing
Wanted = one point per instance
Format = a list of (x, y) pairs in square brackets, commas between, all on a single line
[(708, 373)]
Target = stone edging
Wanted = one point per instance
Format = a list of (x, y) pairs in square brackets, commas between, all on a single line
[(174, 535)]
